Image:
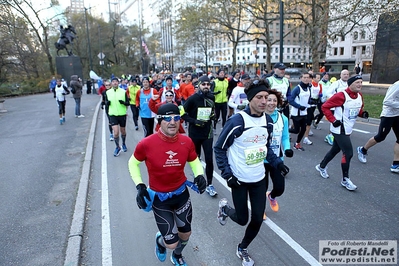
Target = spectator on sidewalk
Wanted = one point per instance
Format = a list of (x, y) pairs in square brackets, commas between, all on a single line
[(76, 89)]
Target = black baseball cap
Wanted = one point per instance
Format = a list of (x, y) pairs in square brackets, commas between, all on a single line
[(279, 66)]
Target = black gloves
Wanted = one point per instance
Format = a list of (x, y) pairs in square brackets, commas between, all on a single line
[(141, 194), (233, 182), (63, 93), (365, 114), (54, 95), (200, 182), (108, 103), (337, 123), (289, 153), (302, 108), (102, 105), (283, 168), (123, 102), (199, 123)]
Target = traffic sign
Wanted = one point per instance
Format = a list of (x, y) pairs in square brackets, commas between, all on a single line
[(101, 56)]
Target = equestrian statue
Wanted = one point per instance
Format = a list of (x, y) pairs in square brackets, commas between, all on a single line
[(67, 35)]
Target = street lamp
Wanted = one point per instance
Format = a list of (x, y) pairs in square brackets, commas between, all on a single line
[(88, 39), (281, 29)]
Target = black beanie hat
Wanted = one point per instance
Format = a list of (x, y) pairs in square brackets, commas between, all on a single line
[(167, 109), (203, 79), (353, 79)]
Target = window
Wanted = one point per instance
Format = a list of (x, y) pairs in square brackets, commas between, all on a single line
[(343, 37), (248, 50), (353, 50), (355, 35), (335, 51), (341, 51), (294, 35), (294, 50), (363, 34), (238, 51), (276, 50), (363, 49), (264, 57), (264, 49), (276, 57), (248, 57), (288, 50), (243, 50), (288, 57)]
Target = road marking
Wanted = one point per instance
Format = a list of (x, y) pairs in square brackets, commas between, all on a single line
[(361, 131), (280, 232), (105, 221)]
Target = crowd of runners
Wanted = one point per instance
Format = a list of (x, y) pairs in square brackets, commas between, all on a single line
[(258, 118)]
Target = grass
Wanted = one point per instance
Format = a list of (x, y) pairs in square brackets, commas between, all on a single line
[(373, 104)]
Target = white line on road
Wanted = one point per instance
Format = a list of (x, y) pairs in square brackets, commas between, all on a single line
[(280, 232), (105, 221), (361, 131)]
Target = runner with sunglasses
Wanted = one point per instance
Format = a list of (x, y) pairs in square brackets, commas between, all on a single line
[(154, 106), (199, 110), (165, 154)]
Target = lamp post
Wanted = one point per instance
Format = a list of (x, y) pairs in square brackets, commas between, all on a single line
[(88, 39), (281, 29)]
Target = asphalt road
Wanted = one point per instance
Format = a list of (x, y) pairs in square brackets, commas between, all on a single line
[(40, 169), (41, 166), (311, 209)]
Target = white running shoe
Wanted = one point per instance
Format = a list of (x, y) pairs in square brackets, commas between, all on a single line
[(222, 216), (310, 133), (347, 183), (362, 157), (242, 253), (322, 171), (307, 141)]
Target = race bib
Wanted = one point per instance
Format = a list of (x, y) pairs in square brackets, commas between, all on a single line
[(255, 155), (353, 112), (203, 113), (275, 143)]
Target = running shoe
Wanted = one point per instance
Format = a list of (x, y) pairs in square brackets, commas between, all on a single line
[(81, 116), (273, 202), (329, 139), (307, 141), (63, 119), (117, 151), (111, 137), (395, 168), (60, 121), (177, 260), (322, 171), (222, 216), (316, 125), (160, 252), (124, 148), (211, 191), (347, 183), (298, 147), (362, 157), (242, 253), (311, 133)]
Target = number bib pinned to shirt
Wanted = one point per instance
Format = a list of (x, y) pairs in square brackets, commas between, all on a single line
[(255, 155), (203, 113)]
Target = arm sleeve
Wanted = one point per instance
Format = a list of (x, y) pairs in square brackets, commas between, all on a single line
[(285, 139), (271, 157), (134, 170), (232, 129), (138, 98), (291, 99), (336, 100), (391, 96), (196, 166), (232, 100)]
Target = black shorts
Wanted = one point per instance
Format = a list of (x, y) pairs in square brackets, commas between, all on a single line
[(117, 120)]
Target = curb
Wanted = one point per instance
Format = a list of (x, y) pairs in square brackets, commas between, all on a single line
[(72, 256)]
